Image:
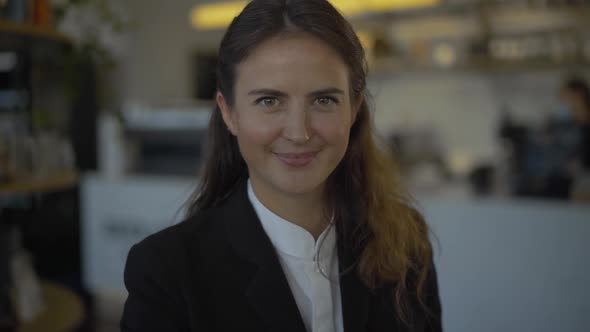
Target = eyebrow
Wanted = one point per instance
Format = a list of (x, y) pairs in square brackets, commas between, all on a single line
[(277, 93), (328, 91), (267, 92)]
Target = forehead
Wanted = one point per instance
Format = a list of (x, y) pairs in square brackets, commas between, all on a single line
[(292, 60)]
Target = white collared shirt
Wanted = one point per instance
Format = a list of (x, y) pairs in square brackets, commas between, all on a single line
[(317, 298)]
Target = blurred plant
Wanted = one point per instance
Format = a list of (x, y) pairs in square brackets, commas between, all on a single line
[(95, 26)]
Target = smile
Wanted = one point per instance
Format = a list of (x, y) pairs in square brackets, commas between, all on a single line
[(296, 159)]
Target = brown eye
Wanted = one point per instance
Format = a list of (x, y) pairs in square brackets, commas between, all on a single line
[(325, 101), (268, 101)]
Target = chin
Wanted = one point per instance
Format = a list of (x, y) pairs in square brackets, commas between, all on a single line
[(295, 185)]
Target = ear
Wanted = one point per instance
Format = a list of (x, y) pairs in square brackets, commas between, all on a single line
[(226, 113)]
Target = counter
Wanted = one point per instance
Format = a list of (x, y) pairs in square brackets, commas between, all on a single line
[(503, 265)]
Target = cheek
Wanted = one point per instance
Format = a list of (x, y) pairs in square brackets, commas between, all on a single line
[(254, 131), (334, 130)]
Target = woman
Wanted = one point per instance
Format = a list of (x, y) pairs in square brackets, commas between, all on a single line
[(299, 223)]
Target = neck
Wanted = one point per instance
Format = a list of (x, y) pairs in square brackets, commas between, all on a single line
[(304, 210)]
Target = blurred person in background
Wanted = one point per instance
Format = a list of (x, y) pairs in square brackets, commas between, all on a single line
[(551, 161), (299, 223), (564, 137), (575, 99)]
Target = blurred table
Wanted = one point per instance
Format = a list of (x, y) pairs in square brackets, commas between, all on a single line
[(64, 311)]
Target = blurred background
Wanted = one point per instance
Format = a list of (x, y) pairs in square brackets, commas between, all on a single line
[(484, 103)]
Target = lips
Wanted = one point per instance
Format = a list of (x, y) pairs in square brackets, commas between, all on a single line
[(296, 159)]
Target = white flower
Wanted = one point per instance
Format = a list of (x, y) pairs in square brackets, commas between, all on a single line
[(84, 24)]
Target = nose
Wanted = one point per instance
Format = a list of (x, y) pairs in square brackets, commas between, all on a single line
[(296, 125)]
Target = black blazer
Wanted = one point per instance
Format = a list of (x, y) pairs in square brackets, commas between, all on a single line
[(218, 271)]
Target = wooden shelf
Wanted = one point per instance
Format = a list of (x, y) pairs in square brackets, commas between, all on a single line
[(53, 183), (26, 30)]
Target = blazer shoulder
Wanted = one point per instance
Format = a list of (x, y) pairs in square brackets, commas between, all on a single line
[(169, 249), (175, 237), (157, 276)]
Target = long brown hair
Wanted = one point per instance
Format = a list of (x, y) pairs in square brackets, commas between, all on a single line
[(370, 208)]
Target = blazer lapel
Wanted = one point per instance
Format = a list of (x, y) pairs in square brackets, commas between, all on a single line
[(268, 291), (355, 295)]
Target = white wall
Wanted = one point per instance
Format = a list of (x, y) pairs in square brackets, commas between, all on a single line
[(464, 107), (157, 65), (460, 107)]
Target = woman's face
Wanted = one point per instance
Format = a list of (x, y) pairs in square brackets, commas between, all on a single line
[(291, 114), (576, 104)]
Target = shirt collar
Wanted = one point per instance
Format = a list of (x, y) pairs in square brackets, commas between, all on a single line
[(289, 238)]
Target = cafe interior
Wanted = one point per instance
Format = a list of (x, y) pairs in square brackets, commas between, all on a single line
[(104, 110)]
